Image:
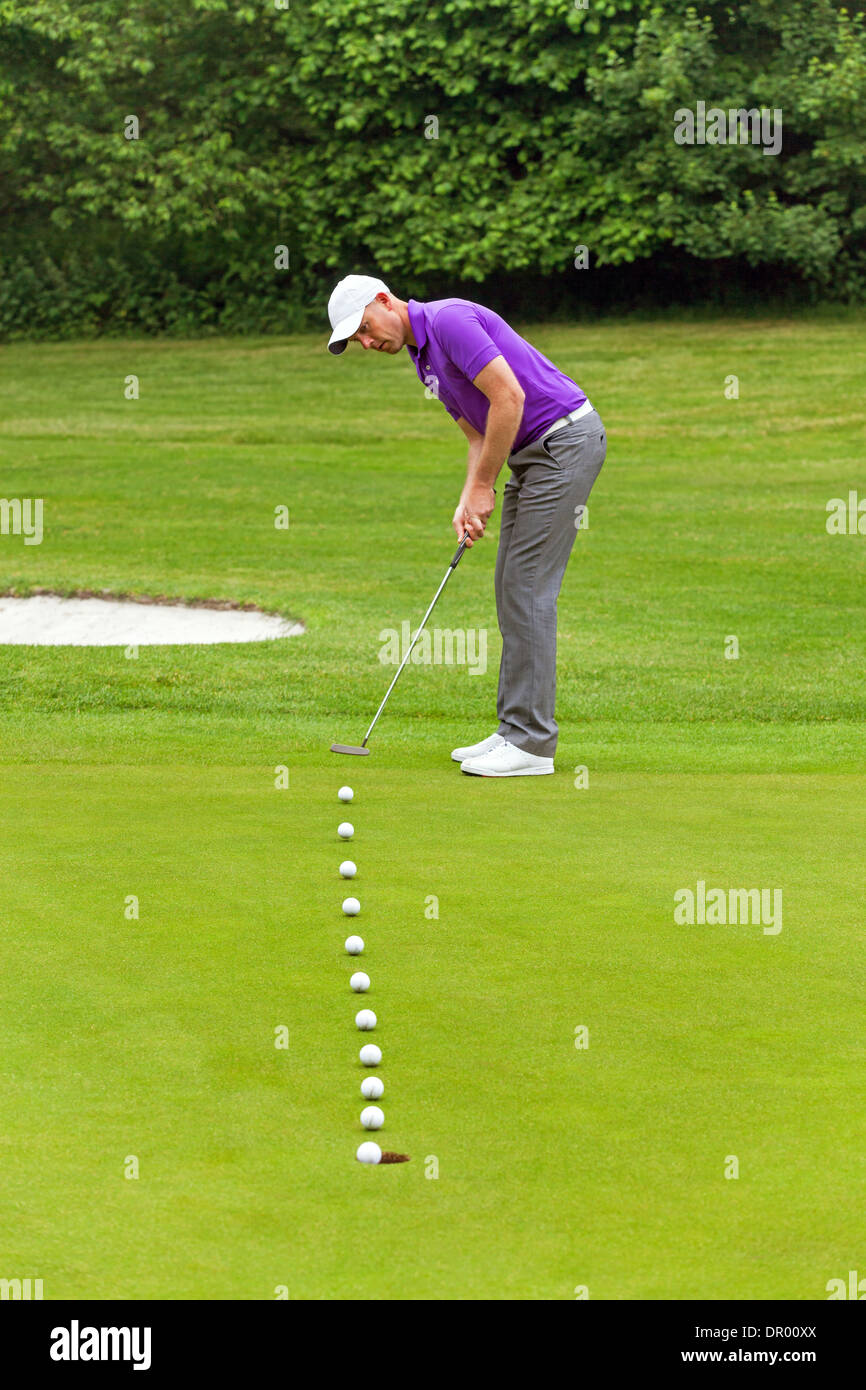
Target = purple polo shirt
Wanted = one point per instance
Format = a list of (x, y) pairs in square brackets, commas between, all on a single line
[(457, 338)]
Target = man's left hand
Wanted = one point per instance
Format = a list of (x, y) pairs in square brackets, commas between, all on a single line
[(474, 511)]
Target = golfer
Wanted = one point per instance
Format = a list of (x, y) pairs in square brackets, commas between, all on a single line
[(510, 402)]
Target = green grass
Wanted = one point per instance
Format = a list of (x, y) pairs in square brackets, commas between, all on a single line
[(154, 776)]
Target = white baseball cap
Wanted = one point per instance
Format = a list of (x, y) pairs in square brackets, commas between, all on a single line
[(347, 304)]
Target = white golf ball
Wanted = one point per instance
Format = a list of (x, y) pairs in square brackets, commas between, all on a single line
[(372, 1117), (345, 793), (348, 869), (360, 982), (351, 907), (345, 830), (372, 1088), (368, 1152), (354, 945), (365, 1019), (370, 1055)]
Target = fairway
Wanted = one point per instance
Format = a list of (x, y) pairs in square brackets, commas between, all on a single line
[(501, 918)]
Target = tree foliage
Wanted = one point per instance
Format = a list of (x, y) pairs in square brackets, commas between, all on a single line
[(436, 143)]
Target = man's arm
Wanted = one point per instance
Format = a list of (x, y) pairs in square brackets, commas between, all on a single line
[(488, 451)]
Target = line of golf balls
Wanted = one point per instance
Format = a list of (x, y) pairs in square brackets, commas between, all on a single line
[(372, 1087)]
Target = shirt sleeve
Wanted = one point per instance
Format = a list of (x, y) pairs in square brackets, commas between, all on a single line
[(469, 346)]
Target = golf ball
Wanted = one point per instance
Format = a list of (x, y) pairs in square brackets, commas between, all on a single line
[(345, 793), (354, 945), (365, 1019), (372, 1117), (368, 1152), (348, 869), (345, 830), (351, 907), (360, 982), (372, 1088), (370, 1055)]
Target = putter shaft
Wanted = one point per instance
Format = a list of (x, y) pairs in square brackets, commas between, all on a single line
[(460, 549)]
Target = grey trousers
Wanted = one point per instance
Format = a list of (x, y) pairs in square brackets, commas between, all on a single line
[(541, 509)]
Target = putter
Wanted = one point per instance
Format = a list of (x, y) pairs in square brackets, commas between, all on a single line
[(363, 751)]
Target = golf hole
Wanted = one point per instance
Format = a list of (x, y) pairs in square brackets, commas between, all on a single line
[(97, 620), (388, 1157)]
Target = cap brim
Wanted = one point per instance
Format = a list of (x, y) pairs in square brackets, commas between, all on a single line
[(338, 340)]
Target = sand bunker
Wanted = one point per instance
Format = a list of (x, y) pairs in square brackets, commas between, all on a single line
[(48, 621)]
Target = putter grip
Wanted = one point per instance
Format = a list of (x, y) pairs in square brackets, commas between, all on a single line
[(459, 551)]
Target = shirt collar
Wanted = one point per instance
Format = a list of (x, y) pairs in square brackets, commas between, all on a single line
[(418, 321)]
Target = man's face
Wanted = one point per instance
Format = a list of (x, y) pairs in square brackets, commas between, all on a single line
[(381, 329)]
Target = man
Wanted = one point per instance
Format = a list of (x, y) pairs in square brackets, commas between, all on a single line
[(512, 402)]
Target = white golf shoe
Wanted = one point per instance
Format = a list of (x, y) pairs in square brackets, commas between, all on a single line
[(507, 761), (477, 750)]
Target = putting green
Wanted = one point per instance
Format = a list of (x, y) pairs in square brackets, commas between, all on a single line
[(499, 916)]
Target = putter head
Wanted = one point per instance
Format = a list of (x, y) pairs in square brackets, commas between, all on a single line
[(347, 748)]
